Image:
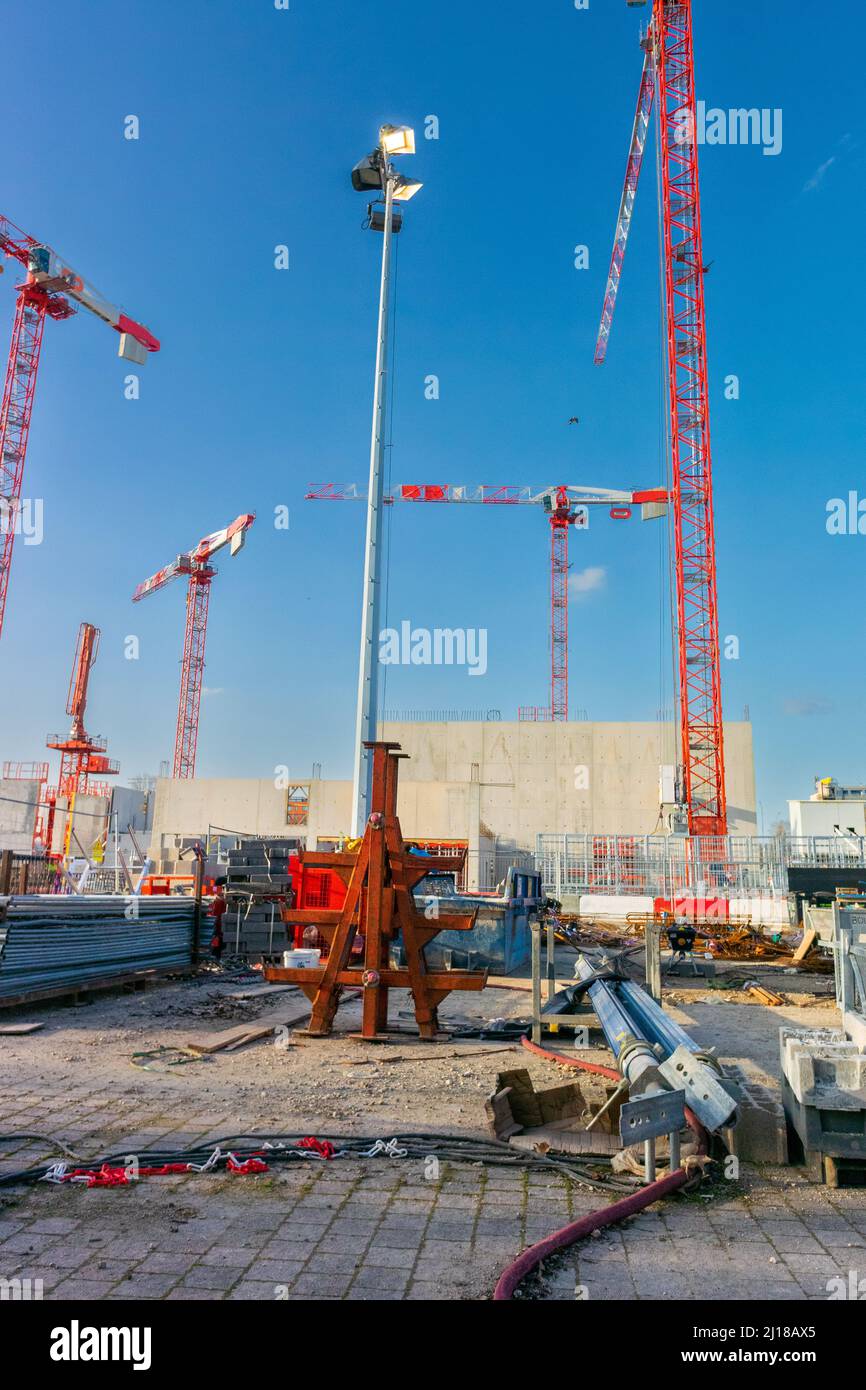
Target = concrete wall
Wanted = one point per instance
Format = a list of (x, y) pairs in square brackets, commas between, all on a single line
[(132, 807), (476, 782), (214, 806), (89, 819), (578, 777), (17, 814)]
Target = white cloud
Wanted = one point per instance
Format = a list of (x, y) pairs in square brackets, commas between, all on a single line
[(587, 581), (211, 690), (818, 177), (805, 707)]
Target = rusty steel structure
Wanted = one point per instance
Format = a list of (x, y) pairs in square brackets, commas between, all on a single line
[(380, 875)]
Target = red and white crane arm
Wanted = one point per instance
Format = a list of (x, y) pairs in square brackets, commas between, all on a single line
[(502, 495), (47, 270), (196, 560), (639, 133)]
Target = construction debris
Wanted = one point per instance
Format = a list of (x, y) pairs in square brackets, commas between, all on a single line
[(554, 1118), (763, 995)]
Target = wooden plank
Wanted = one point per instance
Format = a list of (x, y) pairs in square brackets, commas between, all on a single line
[(232, 1038), (397, 979), (254, 1035), (68, 991), (810, 938), (312, 916), (322, 859), (260, 992), (14, 1029), (217, 1042)]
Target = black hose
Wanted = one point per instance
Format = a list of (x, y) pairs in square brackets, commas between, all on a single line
[(449, 1147)]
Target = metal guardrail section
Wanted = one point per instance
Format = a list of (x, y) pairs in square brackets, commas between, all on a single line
[(849, 952), (440, 716), (665, 866), (51, 943)]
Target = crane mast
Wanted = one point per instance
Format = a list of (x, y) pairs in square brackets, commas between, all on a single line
[(669, 76), (51, 290), (195, 566), (192, 671), (700, 691), (82, 756), (562, 517)]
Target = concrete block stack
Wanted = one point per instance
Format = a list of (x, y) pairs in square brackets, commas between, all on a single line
[(258, 881), (254, 929), (261, 866), (824, 1095)]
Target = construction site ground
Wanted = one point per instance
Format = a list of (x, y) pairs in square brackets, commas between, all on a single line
[(374, 1228)]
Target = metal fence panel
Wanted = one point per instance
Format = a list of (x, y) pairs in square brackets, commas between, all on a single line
[(667, 866)]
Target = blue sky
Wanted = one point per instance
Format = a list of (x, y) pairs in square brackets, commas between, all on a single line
[(250, 120)]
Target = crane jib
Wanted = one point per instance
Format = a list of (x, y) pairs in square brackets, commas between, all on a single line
[(46, 269)]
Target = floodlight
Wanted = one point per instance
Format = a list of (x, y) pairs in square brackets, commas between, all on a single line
[(397, 139), (367, 173), (404, 188)]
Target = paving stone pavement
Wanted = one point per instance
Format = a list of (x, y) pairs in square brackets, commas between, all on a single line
[(378, 1228)]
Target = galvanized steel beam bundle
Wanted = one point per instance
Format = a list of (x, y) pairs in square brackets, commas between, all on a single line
[(51, 942)]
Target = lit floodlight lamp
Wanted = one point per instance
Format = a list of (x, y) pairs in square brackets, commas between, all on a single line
[(404, 188), (367, 173), (397, 139)]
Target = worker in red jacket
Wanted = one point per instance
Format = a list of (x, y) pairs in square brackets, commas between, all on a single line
[(218, 910)]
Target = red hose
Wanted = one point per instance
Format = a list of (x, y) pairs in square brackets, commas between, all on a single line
[(531, 1258), (605, 1216), (595, 1067)]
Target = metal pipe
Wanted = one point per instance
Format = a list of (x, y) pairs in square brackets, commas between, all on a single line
[(641, 1036), (656, 1025), (632, 1052)]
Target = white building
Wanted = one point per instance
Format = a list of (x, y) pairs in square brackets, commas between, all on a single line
[(831, 810)]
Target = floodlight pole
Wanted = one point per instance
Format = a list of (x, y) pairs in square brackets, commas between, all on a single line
[(368, 673)]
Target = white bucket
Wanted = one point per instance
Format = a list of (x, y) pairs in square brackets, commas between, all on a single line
[(301, 959)]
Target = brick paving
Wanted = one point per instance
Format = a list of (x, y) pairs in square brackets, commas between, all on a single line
[(361, 1229), (378, 1229)]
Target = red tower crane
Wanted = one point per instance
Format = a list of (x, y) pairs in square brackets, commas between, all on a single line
[(82, 757), (51, 289), (669, 78), (566, 505), (195, 564)]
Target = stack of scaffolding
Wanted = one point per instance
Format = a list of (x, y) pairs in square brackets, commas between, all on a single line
[(56, 944)]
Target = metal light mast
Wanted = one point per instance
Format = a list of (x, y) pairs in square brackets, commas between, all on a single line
[(669, 72), (376, 172), (195, 564), (46, 292)]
